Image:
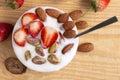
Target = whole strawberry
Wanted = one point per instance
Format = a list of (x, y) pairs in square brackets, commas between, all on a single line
[(99, 5), (14, 3), (5, 30)]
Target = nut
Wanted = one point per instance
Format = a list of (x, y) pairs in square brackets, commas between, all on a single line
[(27, 55), (61, 36), (81, 25), (75, 14), (69, 34), (67, 48), (53, 59), (68, 25), (53, 48), (39, 50), (33, 41), (85, 47), (63, 18), (41, 14), (38, 60), (14, 66), (53, 13)]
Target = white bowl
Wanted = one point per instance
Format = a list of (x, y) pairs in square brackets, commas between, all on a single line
[(47, 67)]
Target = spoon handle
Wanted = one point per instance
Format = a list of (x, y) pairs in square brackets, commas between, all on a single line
[(102, 24)]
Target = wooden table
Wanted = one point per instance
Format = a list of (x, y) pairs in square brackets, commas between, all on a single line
[(103, 63)]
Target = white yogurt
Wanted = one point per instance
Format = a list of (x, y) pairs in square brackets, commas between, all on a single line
[(46, 67)]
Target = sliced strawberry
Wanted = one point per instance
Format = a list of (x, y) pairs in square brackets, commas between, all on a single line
[(35, 27), (99, 5), (27, 18), (48, 36), (20, 37)]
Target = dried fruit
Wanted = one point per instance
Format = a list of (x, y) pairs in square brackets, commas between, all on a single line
[(69, 34), (13, 65), (75, 14), (67, 48), (53, 48), (53, 13), (53, 59), (68, 25), (63, 18), (85, 47), (33, 41), (41, 14), (39, 50), (27, 55), (81, 25), (38, 60)]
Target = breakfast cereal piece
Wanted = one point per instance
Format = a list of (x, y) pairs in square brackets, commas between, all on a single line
[(76, 14), (14, 65)]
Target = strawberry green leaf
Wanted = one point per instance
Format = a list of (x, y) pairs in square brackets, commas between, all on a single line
[(11, 4), (94, 5)]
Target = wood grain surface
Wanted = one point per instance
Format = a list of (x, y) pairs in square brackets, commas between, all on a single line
[(103, 63)]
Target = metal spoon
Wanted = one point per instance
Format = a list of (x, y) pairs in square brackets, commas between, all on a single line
[(100, 25)]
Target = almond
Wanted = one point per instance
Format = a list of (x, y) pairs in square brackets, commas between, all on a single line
[(85, 47), (63, 18), (69, 34), (67, 48), (53, 13), (81, 25), (75, 14), (68, 25), (41, 14)]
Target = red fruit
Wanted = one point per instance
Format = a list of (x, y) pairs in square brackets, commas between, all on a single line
[(14, 4), (35, 27), (48, 36), (5, 30), (99, 5), (20, 37), (28, 18)]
